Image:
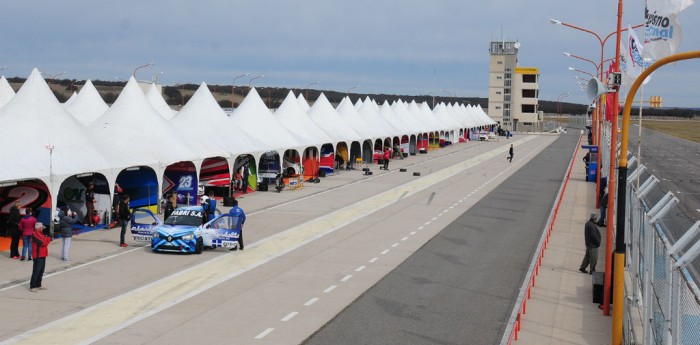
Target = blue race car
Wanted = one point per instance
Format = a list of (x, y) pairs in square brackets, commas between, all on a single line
[(184, 231)]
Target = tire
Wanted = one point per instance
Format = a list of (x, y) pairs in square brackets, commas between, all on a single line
[(199, 247)]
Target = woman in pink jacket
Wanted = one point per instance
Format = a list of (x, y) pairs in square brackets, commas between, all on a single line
[(26, 227)]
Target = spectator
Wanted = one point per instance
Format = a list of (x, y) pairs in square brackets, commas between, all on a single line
[(169, 206), (603, 208), (592, 238), (387, 156), (13, 226), (41, 251), (510, 153), (90, 204), (124, 218), (238, 180), (246, 174), (26, 226), (66, 220), (237, 220)]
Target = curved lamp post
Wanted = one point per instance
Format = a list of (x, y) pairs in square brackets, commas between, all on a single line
[(140, 67), (233, 86)]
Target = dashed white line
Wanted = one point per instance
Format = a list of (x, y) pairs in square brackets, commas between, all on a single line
[(359, 269), (264, 333), (330, 288), (395, 245), (413, 232), (289, 316), (427, 223), (373, 259), (405, 238), (421, 227), (311, 301), (346, 278), (434, 219), (384, 251)]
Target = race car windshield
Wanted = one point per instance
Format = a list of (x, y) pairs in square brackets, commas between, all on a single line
[(188, 218)]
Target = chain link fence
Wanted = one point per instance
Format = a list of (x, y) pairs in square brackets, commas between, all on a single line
[(663, 295)]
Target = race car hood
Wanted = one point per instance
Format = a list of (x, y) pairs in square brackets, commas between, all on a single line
[(176, 230)]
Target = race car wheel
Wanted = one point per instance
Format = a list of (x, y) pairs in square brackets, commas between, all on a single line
[(199, 247)]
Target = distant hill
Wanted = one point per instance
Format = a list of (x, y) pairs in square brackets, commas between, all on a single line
[(273, 96)]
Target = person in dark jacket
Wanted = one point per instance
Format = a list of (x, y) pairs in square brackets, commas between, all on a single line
[(66, 220), (124, 218), (40, 251), (510, 153), (13, 226), (210, 207), (603, 208), (90, 204), (246, 174), (592, 237), (169, 207)]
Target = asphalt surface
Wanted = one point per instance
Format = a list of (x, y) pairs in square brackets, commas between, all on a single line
[(460, 287), (676, 163)]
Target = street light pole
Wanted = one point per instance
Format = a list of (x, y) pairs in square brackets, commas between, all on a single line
[(308, 86), (253, 78), (559, 107), (51, 78), (233, 87), (352, 88), (581, 71), (50, 147), (155, 78), (140, 67)]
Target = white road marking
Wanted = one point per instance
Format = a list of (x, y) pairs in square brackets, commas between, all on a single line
[(289, 316), (330, 288), (264, 333), (311, 301), (373, 259), (359, 269), (405, 238), (421, 227), (426, 223), (395, 245), (413, 232), (346, 278), (434, 219), (384, 251)]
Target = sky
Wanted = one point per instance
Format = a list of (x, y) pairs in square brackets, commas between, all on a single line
[(409, 47)]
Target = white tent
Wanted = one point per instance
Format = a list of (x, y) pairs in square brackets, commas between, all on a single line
[(430, 116), (325, 116), (158, 103), (70, 99), (401, 111), (415, 112), (132, 125), (204, 119), (353, 119), (388, 115), (291, 115), (88, 105), (33, 122), (303, 103), (370, 114), (6, 91), (253, 117)]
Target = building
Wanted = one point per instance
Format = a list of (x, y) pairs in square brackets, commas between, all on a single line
[(513, 90)]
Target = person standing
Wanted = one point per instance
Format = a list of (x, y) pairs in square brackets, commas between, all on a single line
[(387, 156), (210, 206), (66, 220), (246, 174), (603, 208), (238, 180), (26, 227), (169, 206), (90, 204), (592, 238), (510, 153), (124, 218), (13, 226), (238, 219), (40, 252)]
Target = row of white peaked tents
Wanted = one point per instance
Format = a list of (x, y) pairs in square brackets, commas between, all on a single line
[(87, 135)]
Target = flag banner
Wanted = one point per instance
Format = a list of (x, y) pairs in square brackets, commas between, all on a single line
[(662, 31), (669, 6), (635, 62)]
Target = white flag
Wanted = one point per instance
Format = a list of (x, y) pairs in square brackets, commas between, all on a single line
[(662, 31)]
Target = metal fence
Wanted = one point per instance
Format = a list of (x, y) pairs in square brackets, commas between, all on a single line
[(663, 299)]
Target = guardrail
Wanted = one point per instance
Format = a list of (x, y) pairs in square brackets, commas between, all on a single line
[(515, 320)]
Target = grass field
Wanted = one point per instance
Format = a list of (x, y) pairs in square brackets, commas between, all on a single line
[(689, 130)]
